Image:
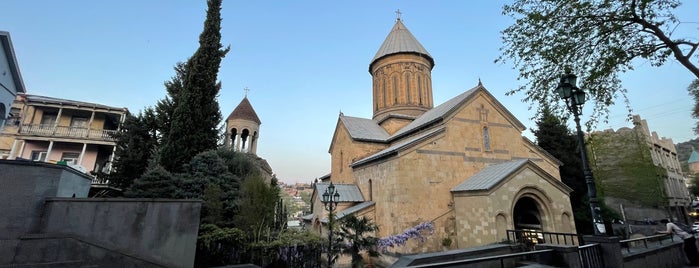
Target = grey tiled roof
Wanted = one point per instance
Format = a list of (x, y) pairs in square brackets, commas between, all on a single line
[(401, 40), (435, 113), (348, 192), (398, 146), (350, 210), (490, 176), (364, 129), (51, 100)]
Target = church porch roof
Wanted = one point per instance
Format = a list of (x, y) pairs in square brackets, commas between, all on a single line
[(348, 192), (490, 176)]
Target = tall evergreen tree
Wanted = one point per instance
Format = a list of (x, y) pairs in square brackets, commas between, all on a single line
[(196, 116), (554, 136), (136, 142), (166, 107)]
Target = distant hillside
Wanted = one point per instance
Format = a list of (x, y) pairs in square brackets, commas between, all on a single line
[(684, 149)]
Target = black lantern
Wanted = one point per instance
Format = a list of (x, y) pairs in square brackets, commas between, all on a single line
[(574, 98), (330, 198)]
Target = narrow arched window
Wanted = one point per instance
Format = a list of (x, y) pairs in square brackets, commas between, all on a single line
[(371, 191), (384, 92), (419, 89), (486, 139), (395, 90), (407, 87)]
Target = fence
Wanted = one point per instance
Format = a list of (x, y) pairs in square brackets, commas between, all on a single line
[(67, 132)]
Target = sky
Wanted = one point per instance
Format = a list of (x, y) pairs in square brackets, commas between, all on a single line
[(304, 62)]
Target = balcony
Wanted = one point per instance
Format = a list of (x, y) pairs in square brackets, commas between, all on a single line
[(43, 130)]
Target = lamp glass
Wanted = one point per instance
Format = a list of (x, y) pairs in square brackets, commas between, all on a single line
[(326, 196), (571, 79), (336, 197), (331, 188), (563, 90), (579, 97)]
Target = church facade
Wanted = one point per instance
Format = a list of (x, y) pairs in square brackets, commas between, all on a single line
[(463, 165)]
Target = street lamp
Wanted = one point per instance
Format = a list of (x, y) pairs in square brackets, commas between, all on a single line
[(574, 98), (330, 199)]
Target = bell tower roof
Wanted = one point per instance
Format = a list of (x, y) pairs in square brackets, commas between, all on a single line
[(400, 40), (245, 111)]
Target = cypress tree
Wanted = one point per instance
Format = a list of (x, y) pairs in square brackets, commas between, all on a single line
[(135, 143), (554, 136), (195, 119)]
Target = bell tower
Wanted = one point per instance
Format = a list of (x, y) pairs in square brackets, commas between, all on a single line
[(401, 72), (243, 128)]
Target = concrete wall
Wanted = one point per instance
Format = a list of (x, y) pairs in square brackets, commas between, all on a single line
[(24, 187), (160, 230)]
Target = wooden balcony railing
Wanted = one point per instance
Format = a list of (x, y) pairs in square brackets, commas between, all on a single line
[(67, 132)]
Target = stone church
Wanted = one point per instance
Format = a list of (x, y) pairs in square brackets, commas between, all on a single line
[(462, 165)]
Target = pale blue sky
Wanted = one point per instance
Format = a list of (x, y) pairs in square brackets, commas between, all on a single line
[(304, 62)]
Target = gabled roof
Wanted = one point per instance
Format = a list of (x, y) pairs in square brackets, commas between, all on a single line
[(6, 42), (351, 210), (694, 157), (398, 147), (400, 40), (445, 109), (244, 111), (348, 192), (57, 101), (364, 129), (490, 176), (435, 114)]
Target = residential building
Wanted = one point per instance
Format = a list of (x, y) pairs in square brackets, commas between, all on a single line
[(51, 130), (463, 166), (11, 82), (639, 172)]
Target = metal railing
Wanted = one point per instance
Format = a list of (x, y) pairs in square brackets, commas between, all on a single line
[(529, 237), (646, 242), (591, 256), (49, 130), (522, 256)]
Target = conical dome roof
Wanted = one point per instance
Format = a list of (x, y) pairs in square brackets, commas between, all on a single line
[(244, 111), (400, 40), (694, 157)]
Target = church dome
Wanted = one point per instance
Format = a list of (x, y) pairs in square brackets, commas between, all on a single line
[(400, 40)]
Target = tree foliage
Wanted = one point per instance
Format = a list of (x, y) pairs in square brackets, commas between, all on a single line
[(136, 141), (597, 39), (693, 89), (156, 183), (554, 136), (357, 232), (196, 115)]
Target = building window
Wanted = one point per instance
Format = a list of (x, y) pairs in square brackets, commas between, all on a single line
[(39, 156), (419, 89), (70, 158), (48, 119), (78, 122), (486, 139), (395, 90), (384, 92), (407, 87)]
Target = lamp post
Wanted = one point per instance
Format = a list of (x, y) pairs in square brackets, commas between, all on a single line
[(330, 199), (574, 98)]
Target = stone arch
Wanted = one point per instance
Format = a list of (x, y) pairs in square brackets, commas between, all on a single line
[(243, 138), (234, 136), (531, 210)]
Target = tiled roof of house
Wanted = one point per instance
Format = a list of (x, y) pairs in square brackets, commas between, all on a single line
[(57, 101), (364, 129), (694, 157), (400, 40), (490, 176), (348, 192), (244, 111)]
